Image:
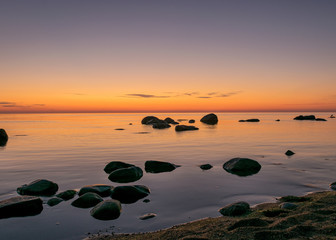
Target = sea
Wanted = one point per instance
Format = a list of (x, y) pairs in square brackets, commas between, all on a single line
[(73, 149)]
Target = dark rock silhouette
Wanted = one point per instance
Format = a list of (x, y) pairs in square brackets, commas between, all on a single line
[(182, 119), (106, 210), (289, 153), (333, 186), (54, 201), (206, 166), (112, 166), (191, 121), (147, 216), (159, 167), (170, 120), (320, 119), (307, 117), (332, 116), (235, 209), (67, 195), (126, 175), (130, 194), (100, 189), (278, 120), (250, 120), (20, 206), (160, 124), (210, 119), (3, 137), (87, 200), (180, 128), (242, 166), (40, 187), (119, 129), (149, 120)]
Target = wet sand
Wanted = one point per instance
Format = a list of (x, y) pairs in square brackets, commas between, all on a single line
[(313, 218)]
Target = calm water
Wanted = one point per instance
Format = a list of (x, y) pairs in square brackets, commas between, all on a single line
[(72, 150)]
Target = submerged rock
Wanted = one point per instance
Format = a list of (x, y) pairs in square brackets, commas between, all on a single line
[(54, 201), (210, 119), (130, 194), (112, 166), (289, 153), (180, 128), (242, 166), (100, 189), (67, 195), (250, 120), (3, 137), (307, 117), (206, 166), (87, 200), (320, 119), (119, 129), (191, 121), (20, 206), (126, 175), (278, 120), (159, 167), (147, 216), (40, 187), (235, 209), (106, 210)]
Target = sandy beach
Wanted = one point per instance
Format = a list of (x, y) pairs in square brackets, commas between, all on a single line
[(314, 217)]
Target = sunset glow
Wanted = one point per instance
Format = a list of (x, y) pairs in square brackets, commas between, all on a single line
[(190, 56)]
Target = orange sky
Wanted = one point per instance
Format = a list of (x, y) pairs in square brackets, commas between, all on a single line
[(159, 58)]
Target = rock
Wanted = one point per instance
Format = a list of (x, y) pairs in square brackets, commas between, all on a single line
[(242, 166), (182, 120), (288, 205), (191, 121), (106, 210), (3, 137), (130, 194), (278, 120), (67, 195), (160, 125), (20, 206), (126, 175), (149, 120), (320, 119), (159, 167), (112, 166), (206, 166), (180, 128), (119, 129), (170, 120), (147, 216), (146, 200), (40, 187), (250, 120), (235, 209), (87, 200), (210, 119), (308, 117), (332, 116), (100, 189), (289, 153), (54, 201), (333, 186)]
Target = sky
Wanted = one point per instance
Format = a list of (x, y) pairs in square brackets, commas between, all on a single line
[(167, 56)]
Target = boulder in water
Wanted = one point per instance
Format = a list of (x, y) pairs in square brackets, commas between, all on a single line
[(54, 201), (180, 128), (20, 206), (87, 200), (149, 120), (210, 119), (242, 166), (100, 189), (206, 166), (126, 175), (3, 137), (67, 195), (307, 117), (106, 210), (289, 153), (40, 187), (112, 166), (235, 209), (159, 167), (130, 194), (250, 120)]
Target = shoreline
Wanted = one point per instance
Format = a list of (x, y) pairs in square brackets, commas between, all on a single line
[(312, 216)]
